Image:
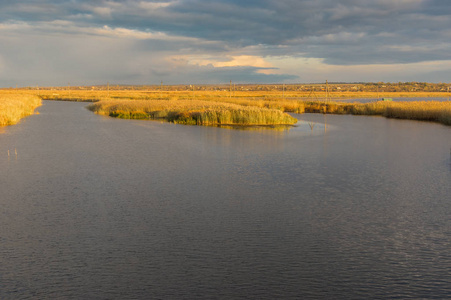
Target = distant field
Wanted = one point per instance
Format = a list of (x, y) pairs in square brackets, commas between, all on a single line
[(226, 95)]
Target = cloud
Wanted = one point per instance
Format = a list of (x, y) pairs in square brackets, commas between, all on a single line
[(218, 38), (68, 28), (117, 56), (315, 70), (2, 65), (212, 75), (228, 61), (245, 60)]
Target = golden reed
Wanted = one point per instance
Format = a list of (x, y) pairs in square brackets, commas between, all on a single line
[(15, 106)]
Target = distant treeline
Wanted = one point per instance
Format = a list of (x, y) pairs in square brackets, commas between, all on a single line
[(316, 87)]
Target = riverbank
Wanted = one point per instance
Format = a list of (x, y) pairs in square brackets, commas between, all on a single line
[(15, 106), (433, 111)]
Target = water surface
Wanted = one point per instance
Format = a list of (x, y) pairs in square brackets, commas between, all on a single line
[(97, 207)]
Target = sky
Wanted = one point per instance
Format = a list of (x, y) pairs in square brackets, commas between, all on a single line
[(58, 42)]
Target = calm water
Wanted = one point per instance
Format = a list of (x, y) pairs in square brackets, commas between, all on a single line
[(100, 208)]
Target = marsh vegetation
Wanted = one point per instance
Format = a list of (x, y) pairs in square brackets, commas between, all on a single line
[(226, 107), (192, 112), (434, 111), (14, 106), (248, 107)]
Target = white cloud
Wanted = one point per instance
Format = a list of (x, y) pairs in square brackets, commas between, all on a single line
[(227, 61), (102, 11), (154, 5), (68, 28), (245, 60), (14, 26), (124, 33)]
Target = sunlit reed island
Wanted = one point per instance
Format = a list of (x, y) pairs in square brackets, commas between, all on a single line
[(14, 107), (192, 112)]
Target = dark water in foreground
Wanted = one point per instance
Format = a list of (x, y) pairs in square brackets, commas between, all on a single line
[(96, 207)]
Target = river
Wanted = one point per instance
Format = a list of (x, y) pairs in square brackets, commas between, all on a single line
[(342, 207)]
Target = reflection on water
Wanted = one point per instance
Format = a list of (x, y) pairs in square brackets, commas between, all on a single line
[(97, 207), (258, 127), (12, 154)]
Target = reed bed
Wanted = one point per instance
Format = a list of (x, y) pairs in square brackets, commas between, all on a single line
[(382, 94), (14, 107), (372, 108), (429, 111), (193, 112), (434, 111)]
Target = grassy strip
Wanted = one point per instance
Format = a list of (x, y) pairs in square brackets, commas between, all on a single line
[(14, 107), (90, 95), (434, 111), (194, 112), (430, 111)]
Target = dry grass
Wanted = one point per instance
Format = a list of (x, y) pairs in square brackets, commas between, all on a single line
[(95, 95), (372, 108), (375, 95), (257, 99), (14, 106), (194, 112), (434, 111), (220, 107), (423, 111), (293, 101)]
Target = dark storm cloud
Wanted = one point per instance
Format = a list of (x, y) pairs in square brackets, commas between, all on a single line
[(339, 33), (313, 28)]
